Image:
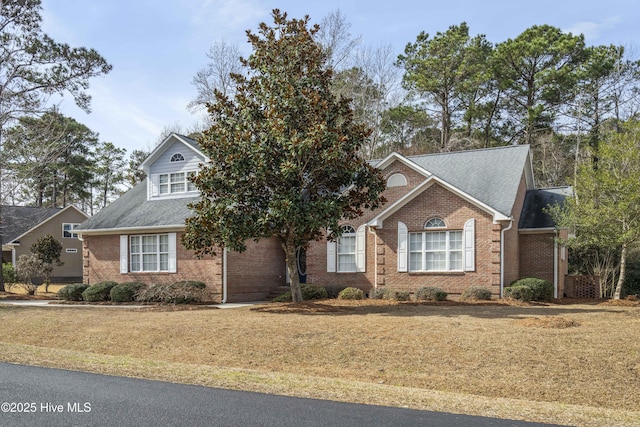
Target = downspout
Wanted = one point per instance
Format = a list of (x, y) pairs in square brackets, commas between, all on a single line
[(502, 233), (224, 276), (375, 257), (555, 264)]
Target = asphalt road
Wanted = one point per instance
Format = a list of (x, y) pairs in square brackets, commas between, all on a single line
[(34, 396)]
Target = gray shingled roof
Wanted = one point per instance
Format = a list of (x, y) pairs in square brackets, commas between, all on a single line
[(491, 175), (536, 201), (133, 210), (17, 220)]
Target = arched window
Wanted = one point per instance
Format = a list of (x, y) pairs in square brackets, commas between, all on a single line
[(435, 223), (177, 157), (435, 249), (397, 180), (347, 249)]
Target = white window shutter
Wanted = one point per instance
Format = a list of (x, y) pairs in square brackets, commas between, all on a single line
[(172, 253), (361, 249), (331, 256), (154, 185), (403, 237), (124, 254), (469, 244)]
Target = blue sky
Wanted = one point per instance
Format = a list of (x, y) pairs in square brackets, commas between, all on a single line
[(156, 47)]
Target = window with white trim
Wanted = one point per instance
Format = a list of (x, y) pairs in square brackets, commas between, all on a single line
[(397, 180), (439, 250), (171, 183), (177, 157), (348, 253), (347, 250), (149, 253), (67, 230)]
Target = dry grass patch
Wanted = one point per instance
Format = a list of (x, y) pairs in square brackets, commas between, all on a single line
[(584, 356)]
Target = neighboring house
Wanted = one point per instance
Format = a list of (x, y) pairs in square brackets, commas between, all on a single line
[(22, 226), (451, 220)]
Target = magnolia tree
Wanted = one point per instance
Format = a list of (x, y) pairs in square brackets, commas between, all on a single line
[(285, 152)]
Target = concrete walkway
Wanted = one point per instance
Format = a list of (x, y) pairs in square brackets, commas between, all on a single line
[(54, 303)]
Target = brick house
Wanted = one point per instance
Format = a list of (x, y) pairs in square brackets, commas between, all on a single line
[(452, 220)]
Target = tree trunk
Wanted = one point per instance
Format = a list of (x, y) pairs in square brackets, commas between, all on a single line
[(289, 248), (623, 269)]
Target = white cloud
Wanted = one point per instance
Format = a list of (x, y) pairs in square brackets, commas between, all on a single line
[(593, 30)]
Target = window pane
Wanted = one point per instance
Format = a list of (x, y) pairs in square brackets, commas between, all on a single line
[(135, 244), (135, 262), (149, 262), (415, 242), (346, 263), (149, 244), (436, 241), (164, 262), (415, 261), (455, 240), (455, 260), (164, 178), (164, 243), (436, 261)]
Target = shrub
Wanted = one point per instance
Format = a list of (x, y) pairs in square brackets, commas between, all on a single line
[(476, 293), (351, 293), (334, 291), (390, 294), (8, 273), (542, 289), (98, 292), (28, 269), (377, 293), (430, 293), (183, 292), (518, 293), (309, 292), (72, 292), (125, 292)]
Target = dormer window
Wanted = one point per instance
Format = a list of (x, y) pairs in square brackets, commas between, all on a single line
[(177, 157), (171, 183)]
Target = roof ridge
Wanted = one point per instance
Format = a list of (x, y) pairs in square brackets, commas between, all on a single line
[(474, 150)]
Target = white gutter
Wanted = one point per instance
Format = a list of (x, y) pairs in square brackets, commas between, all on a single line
[(375, 257), (502, 233), (555, 265), (224, 275)]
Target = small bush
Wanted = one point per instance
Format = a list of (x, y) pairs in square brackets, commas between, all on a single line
[(430, 293), (519, 293), (125, 292), (8, 273), (542, 289), (98, 292), (72, 292), (377, 293), (309, 292), (390, 294), (334, 291), (183, 292), (351, 293), (476, 293)]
